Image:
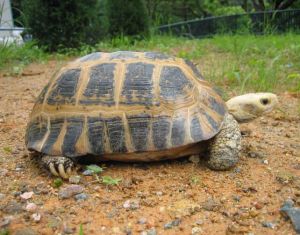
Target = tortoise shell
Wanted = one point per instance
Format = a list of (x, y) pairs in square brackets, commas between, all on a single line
[(124, 102)]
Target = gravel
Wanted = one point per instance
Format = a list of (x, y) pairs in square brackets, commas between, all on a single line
[(172, 224), (13, 207), (74, 179), (291, 212), (25, 231), (70, 191), (268, 224), (31, 207), (81, 197)]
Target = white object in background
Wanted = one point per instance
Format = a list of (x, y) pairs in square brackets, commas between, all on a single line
[(8, 33)]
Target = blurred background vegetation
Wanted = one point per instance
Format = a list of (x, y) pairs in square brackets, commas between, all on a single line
[(58, 24), (234, 61)]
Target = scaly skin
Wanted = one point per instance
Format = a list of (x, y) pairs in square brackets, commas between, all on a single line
[(224, 148), (58, 165)]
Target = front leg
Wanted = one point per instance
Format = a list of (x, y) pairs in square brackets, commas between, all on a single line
[(58, 165), (225, 147)]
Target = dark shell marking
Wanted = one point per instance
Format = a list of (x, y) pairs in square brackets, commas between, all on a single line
[(139, 130), (116, 135), (55, 128), (74, 130), (64, 89), (174, 83), (100, 88), (96, 129), (138, 85), (161, 127)]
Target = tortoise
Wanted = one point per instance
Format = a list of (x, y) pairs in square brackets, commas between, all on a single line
[(136, 106)]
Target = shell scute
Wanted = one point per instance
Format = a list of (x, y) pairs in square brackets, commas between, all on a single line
[(56, 125), (101, 86), (139, 130), (174, 84), (64, 89), (161, 128), (96, 137), (138, 84), (73, 131)]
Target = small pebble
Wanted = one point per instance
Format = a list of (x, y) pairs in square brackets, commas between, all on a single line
[(36, 217), (291, 212), (88, 172), (74, 179), (159, 193), (81, 197), (266, 162), (258, 205), (3, 172), (211, 205), (194, 159), (13, 207), (142, 220), (196, 230), (132, 205), (151, 231), (67, 230), (171, 224), (5, 221), (268, 224), (70, 191), (2, 196), (237, 198), (199, 222), (26, 195), (31, 207)]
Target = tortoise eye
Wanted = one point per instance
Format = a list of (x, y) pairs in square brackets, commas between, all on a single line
[(264, 101)]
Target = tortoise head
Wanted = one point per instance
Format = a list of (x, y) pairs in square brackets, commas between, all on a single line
[(247, 107)]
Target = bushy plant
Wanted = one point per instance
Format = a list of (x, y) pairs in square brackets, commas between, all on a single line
[(56, 24), (127, 18)]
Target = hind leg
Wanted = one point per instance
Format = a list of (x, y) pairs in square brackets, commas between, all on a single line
[(224, 148), (58, 165)]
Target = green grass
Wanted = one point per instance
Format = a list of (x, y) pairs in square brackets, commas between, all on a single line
[(14, 58), (238, 63)]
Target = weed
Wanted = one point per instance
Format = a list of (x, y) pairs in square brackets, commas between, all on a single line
[(4, 231), (95, 169), (15, 57), (109, 181), (195, 179), (81, 229), (57, 182), (7, 149)]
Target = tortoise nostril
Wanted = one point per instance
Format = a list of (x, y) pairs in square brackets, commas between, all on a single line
[(264, 101)]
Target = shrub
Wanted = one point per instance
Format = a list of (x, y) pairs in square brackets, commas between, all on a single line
[(127, 18), (57, 24)]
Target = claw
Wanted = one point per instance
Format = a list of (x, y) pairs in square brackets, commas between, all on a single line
[(62, 172), (69, 170), (52, 169)]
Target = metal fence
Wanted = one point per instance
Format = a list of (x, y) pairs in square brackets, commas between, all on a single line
[(256, 23)]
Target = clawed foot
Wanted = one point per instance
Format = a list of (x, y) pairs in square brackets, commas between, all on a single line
[(58, 166)]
